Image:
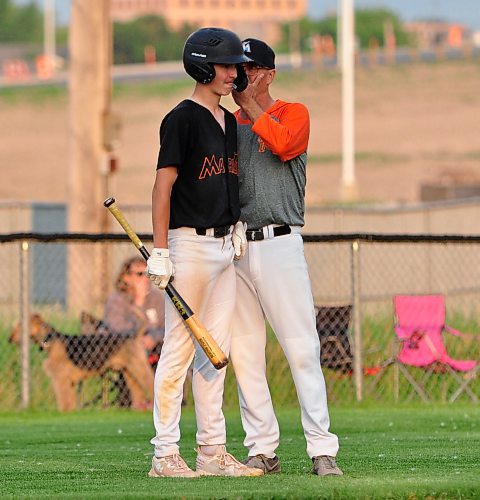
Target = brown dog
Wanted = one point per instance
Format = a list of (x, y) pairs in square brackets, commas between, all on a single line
[(72, 358)]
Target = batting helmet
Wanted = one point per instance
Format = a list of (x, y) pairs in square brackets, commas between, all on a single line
[(208, 46)]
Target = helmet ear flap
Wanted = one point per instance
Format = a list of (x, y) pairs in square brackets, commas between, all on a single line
[(240, 83), (201, 72)]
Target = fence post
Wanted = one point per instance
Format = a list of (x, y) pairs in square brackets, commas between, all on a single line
[(24, 321), (357, 325)]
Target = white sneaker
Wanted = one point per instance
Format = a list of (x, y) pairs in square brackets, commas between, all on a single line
[(223, 464), (171, 466)]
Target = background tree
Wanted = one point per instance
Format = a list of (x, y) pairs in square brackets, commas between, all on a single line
[(130, 40), (20, 23), (369, 23)]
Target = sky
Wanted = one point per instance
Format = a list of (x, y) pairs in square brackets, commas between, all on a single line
[(466, 12)]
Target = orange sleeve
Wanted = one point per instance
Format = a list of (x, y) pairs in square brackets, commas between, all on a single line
[(287, 137)]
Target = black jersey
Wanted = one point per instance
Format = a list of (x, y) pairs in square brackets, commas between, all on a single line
[(205, 193)]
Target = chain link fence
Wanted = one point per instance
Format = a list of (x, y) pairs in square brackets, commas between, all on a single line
[(65, 279)]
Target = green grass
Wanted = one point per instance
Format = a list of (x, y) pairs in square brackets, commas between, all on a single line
[(372, 157), (404, 452), (452, 156), (158, 88), (38, 95), (48, 93)]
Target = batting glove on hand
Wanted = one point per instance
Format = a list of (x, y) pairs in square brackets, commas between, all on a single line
[(239, 240), (160, 267)]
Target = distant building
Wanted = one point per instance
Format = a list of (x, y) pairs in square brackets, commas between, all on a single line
[(255, 18), (433, 33)]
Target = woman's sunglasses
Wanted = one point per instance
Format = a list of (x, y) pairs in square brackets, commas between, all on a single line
[(137, 273)]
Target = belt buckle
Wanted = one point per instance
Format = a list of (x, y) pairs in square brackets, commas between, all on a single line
[(256, 235)]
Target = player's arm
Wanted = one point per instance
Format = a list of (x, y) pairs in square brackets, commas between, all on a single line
[(162, 189), (159, 266), (288, 137)]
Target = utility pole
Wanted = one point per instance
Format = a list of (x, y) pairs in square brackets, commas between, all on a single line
[(49, 45), (339, 35), (90, 89), (349, 185)]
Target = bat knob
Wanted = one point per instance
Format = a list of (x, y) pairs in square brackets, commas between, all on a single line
[(221, 363), (109, 201)]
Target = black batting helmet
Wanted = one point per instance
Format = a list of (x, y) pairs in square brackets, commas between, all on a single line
[(208, 46)]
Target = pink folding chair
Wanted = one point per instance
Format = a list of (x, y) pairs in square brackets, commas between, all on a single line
[(419, 324)]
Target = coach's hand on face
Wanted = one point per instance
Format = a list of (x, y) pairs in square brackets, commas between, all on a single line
[(250, 93), (160, 268)]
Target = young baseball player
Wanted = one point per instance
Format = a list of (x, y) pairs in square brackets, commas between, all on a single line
[(196, 235), (272, 278)]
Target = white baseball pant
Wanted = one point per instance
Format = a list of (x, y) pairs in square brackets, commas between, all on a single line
[(205, 277), (273, 284)]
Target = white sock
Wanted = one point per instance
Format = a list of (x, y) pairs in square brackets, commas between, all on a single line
[(212, 450)]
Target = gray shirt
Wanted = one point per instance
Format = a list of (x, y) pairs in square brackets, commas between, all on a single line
[(272, 191)]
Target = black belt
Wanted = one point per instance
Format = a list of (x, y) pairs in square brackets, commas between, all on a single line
[(258, 235), (218, 232)]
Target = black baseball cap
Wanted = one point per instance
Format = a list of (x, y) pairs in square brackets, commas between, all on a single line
[(259, 52)]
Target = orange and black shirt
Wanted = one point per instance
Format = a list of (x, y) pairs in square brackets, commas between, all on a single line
[(272, 165), (205, 193)]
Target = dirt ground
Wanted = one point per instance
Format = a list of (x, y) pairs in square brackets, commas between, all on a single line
[(414, 123)]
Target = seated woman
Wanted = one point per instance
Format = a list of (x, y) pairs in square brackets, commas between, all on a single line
[(134, 300)]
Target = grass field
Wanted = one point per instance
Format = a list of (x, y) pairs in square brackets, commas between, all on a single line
[(404, 452)]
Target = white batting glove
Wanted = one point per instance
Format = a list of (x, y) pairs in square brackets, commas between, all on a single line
[(160, 267), (239, 240)]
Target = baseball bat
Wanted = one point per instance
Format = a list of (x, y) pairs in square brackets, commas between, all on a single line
[(201, 334)]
